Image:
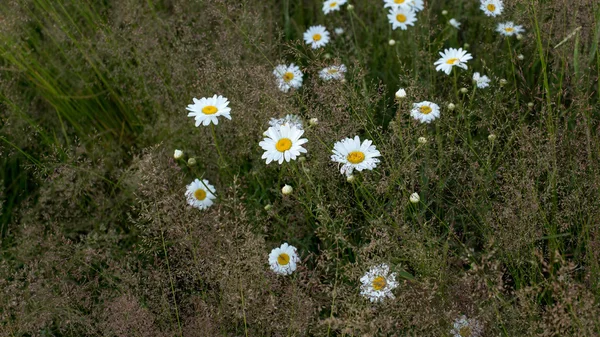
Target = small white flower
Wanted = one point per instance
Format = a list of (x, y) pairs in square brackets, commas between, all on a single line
[(416, 5), (283, 260), (464, 327), (422, 140), (396, 3), (287, 190), (316, 36), (332, 5), (282, 143), (454, 23), (333, 72), (288, 77), (206, 110), (509, 28), (378, 283), (402, 17), (178, 154), (425, 111), (401, 93), (354, 155), (339, 31), (415, 198), (451, 106), (452, 57), (492, 7), (481, 81), (200, 194), (290, 119)]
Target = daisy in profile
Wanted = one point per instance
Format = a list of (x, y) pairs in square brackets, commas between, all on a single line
[(509, 29), (291, 119), (425, 111), (492, 7), (464, 327), (396, 3), (402, 17), (354, 155), (378, 283), (454, 23), (288, 77), (452, 57), (333, 72), (316, 36), (332, 5), (282, 143), (283, 260), (481, 81), (206, 110), (200, 194)]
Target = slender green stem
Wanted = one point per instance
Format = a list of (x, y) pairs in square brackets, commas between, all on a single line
[(162, 237)]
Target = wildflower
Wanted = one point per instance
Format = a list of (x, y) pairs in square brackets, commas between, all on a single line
[(313, 121), (401, 93), (416, 5), (350, 7), (464, 327), (283, 260), (288, 77), (415, 198), (481, 81), (316, 36), (451, 106), (463, 90), (200, 194), (425, 111), (351, 178), (454, 23), (509, 28), (354, 155), (290, 119), (178, 154), (492, 137), (392, 42), (333, 72), (378, 283), (521, 57), (339, 31), (492, 7), (287, 190), (191, 161), (402, 17), (422, 140), (452, 57), (396, 3), (206, 110), (282, 143), (332, 5)]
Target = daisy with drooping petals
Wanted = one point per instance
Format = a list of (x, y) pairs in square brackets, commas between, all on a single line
[(316, 36), (509, 29), (452, 57), (354, 155), (492, 7), (291, 119), (454, 23), (283, 260), (378, 283), (425, 111), (396, 3), (332, 5), (288, 77), (333, 73), (282, 143), (464, 327), (200, 194), (402, 17), (481, 81), (206, 110)]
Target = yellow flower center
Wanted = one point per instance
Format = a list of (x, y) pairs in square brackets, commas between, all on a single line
[(401, 18), (379, 283), (491, 7), (333, 4), (209, 110), (509, 29), (283, 259), (332, 70), (355, 157), (288, 76), (425, 109), (200, 194), (399, 1), (465, 331), (317, 37), (283, 144), (452, 61)]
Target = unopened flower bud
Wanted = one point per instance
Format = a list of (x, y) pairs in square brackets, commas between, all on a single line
[(444, 12), (414, 198), (287, 190), (313, 121), (400, 94), (492, 137), (530, 105), (422, 140), (178, 154), (327, 56), (464, 90), (350, 7), (521, 57), (519, 37), (451, 106), (392, 42), (351, 178), (192, 161), (466, 45), (302, 159), (503, 82), (268, 207)]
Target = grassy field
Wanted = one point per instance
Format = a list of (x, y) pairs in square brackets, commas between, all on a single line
[(486, 218)]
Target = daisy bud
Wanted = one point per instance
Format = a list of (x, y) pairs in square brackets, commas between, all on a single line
[(503, 82), (178, 154), (327, 56), (464, 90), (444, 12), (400, 94), (414, 198), (192, 161), (422, 140), (519, 37), (339, 31), (351, 178), (392, 42), (466, 45), (451, 106), (306, 170), (287, 190), (313, 121), (268, 207), (343, 80), (350, 7), (302, 159), (521, 57), (492, 137), (530, 104)]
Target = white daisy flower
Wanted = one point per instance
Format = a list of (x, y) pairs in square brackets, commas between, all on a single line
[(206, 110), (288, 77), (396, 3), (416, 5), (200, 194), (339, 31), (509, 29), (333, 72), (425, 111), (481, 81), (283, 260), (282, 143), (454, 23), (316, 36), (464, 327), (378, 283), (402, 17), (492, 7), (291, 119), (452, 57), (354, 155), (332, 5)]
